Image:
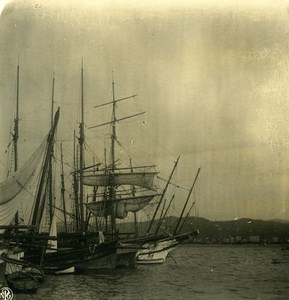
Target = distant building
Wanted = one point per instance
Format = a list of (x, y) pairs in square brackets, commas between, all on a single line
[(238, 239), (254, 239)]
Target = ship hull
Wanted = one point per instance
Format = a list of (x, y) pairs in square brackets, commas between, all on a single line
[(156, 252), (2, 270), (78, 259), (126, 256)]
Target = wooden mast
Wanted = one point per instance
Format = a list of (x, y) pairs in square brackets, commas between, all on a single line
[(50, 179), (164, 215), (187, 215), (112, 168), (94, 197), (16, 123), (162, 196), (186, 203), (134, 213), (38, 208), (81, 155), (105, 191), (75, 183), (112, 171), (63, 190), (15, 135)]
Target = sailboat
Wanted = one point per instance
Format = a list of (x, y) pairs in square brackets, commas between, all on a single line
[(120, 197), (16, 196), (124, 190), (78, 250)]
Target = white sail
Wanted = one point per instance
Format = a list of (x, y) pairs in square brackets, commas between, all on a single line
[(53, 232), (15, 191), (123, 206), (18, 180), (134, 204), (142, 179)]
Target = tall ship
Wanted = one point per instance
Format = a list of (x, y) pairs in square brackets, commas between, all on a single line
[(120, 191), (28, 211)]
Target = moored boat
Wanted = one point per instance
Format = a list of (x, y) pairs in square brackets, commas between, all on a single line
[(21, 282), (157, 252)]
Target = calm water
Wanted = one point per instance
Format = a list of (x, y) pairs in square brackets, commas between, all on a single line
[(194, 272)]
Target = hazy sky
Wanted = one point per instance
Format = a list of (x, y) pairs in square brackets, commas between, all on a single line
[(211, 75)]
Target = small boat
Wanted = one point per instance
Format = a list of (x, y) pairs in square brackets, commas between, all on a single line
[(70, 270), (21, 282), (282, 256), (35, 273), (2, 269), (15, 264)]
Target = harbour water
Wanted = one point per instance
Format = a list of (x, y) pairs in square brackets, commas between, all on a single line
[(193, 272)]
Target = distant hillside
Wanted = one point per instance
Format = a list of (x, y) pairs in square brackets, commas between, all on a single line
[(280, 221), (242, 230)]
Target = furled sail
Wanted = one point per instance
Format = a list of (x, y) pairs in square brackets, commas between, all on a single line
[(15, 189), (123, 206), (142, 179), (134, 204), (100, 208)]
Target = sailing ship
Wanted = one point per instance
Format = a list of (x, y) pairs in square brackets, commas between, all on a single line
[(13, 193), (154, 248), (124, 190), (129, 190), (101, 251), (156, 251), (35, 204), (89, 250)]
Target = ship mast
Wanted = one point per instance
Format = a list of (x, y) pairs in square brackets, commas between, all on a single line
[(162, 196), (177, 230), (134, 213), (75, 182), (111, 189), (16, 123), (164, 215), (114, 120), (50, 179), (15, 135), (63, 189), (40, 195), (81, 155)]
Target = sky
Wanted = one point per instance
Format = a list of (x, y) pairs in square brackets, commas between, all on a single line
[(212, 77)]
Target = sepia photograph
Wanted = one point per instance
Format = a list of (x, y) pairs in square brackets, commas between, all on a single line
[(144, 149)]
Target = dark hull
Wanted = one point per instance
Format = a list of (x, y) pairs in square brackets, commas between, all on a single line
[(35, 273), (126, 256), (2, 273), (21, 283), (102, 256)]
